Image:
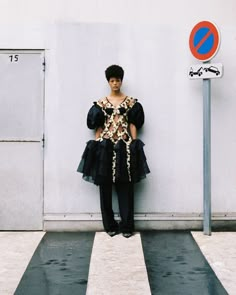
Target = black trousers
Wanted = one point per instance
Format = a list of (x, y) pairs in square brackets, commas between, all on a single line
[(125, 192)]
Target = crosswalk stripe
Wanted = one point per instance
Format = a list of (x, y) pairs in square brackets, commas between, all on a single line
[(16, 250), (175, 265), (59, 265), (117, 266)]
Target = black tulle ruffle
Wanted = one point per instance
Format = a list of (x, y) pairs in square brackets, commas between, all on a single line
[(139, 167), (96, 162)]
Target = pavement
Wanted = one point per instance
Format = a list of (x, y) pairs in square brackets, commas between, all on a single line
[(150, 262)]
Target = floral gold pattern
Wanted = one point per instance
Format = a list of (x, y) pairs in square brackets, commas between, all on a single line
[(116, 127)]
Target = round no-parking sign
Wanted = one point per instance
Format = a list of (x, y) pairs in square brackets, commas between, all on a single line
[(204, 40)]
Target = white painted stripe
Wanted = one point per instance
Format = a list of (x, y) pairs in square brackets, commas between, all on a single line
[(16, 250), (117, 266), (220, 251)]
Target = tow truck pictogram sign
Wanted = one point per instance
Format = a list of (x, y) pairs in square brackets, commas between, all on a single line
[(206, 71)]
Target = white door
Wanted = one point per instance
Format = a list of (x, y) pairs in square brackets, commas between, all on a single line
[(21, 139)]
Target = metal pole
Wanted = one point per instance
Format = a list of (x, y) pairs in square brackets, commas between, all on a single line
[(207, 155)]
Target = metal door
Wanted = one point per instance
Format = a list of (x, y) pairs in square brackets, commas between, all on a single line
[(21, 139)]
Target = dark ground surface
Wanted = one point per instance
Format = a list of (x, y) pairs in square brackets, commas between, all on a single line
[(174, 262), (59, 265), (175, 265)]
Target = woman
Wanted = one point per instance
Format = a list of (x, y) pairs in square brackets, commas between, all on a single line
[(116, 155)]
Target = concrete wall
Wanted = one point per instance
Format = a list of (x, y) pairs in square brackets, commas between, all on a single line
[(181, 12), (150, 40)]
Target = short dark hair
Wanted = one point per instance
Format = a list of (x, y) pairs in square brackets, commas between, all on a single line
[(114, 71)]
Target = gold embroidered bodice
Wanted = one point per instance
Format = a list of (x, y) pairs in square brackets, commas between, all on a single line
[(116, 120)]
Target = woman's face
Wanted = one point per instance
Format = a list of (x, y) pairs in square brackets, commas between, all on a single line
[(115, 84)]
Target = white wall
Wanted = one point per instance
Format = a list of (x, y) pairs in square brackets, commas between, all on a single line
[(181, 12), (150, 40)]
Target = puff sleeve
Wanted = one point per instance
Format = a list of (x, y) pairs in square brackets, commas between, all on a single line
[(95, 117), (136, 115)]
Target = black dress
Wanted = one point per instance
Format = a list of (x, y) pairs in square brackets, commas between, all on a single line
[(114, 157)]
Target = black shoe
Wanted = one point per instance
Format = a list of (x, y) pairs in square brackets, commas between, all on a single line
[(112, 233), (127, 235)]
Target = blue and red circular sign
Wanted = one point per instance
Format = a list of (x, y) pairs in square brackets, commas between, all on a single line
[(204, 40)]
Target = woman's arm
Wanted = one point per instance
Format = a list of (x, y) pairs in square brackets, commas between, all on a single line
[(98, 132), (133, 131)]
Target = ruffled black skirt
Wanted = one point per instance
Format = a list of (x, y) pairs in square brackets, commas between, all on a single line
[(106, 162)]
